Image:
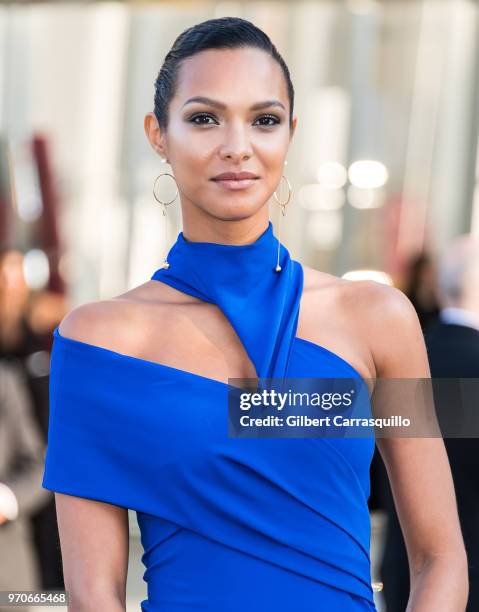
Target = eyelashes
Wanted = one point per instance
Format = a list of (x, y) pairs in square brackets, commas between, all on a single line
[(192, 119)]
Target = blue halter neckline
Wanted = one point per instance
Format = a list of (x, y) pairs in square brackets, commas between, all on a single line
[(261, 304)]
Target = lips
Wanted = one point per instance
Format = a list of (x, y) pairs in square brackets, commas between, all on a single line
[(234, 176), (236, 181)]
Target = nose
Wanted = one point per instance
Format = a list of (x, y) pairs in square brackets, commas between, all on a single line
[(237, 145)]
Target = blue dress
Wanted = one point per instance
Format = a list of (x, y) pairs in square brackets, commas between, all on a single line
[(227, 524)]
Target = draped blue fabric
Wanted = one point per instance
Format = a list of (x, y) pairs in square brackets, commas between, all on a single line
[(261, 304), (227, 524)]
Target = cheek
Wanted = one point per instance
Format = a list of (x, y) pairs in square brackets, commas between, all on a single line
[(190, 160), (186, 148), (273, 167), (272, 150)]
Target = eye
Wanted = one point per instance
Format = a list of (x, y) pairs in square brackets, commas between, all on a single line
[(273, 118), (202, 115)]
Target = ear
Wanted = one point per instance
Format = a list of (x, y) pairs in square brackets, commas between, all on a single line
[(293, 127), (154, 134)]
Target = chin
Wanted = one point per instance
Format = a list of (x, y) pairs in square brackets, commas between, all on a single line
[(229, 206), (233, 211)]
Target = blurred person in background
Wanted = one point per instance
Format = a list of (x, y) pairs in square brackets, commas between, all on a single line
[(421, 289), (26, 320), (453, 347), (452, 342), (21, 466)]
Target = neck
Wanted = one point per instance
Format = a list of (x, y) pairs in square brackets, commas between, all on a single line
[(261, 304)]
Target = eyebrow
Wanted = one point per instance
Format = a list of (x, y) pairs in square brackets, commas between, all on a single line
[(220, 105)]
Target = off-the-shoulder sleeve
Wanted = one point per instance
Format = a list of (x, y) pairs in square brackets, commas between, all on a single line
[(104, 411), (83, 456)]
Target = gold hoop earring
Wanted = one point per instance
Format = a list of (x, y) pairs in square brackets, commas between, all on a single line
[(283, 213), (164, 205)]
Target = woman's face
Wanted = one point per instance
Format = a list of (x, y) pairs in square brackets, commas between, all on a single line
[(224, 134)]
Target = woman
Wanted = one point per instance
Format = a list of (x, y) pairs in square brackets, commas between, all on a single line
[(230, 524)]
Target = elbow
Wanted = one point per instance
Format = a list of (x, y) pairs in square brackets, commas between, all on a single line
[(453, 564), (456, 560), (90, 600), (106, 605), (450, 551)]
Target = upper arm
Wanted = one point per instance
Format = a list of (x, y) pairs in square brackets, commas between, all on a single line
[(418, 468), (94, 538), (94, 535)]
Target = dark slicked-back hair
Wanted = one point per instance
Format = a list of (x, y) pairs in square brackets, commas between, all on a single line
[(221, 33)]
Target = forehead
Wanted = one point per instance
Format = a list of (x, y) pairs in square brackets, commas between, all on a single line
[(243, 73)]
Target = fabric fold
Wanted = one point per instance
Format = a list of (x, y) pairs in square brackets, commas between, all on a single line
[(261, 304), (215, 510)]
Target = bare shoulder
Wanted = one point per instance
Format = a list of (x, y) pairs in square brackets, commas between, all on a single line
[(378, 322), (372, 301), (316, 279), (393, 329), (369, 292), (378, 298), (339, 292), (124, 322), (328, 317), (106, 323), (321, 290)]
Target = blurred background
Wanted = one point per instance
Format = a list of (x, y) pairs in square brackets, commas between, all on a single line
[(383, 168)]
